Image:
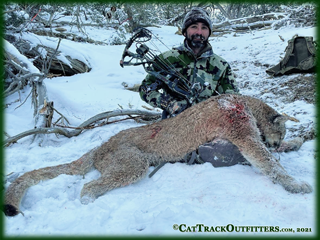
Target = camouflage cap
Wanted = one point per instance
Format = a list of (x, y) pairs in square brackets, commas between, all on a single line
[(196, 14)]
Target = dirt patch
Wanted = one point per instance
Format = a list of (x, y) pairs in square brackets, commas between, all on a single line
[(301, 87)]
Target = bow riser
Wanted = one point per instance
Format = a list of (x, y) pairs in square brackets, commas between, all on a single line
[(167, 74)]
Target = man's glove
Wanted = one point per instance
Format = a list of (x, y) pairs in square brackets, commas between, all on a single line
[(176, 107)]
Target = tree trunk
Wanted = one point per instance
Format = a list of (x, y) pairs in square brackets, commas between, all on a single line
[(222, 10)]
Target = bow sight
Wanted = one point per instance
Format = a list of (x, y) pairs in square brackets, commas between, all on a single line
[(163, 70)]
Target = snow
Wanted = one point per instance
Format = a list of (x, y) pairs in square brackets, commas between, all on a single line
[(177, 193), (21, 58)]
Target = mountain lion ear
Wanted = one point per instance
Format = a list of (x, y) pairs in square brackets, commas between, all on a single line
[(279, 118)]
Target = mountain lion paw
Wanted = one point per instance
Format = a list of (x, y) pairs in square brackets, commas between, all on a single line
[(298, 187), (86, 200)]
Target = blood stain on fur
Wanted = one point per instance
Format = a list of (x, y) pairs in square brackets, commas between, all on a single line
[(155, 131)]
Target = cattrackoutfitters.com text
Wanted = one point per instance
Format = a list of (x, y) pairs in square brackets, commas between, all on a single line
[(229, 228)]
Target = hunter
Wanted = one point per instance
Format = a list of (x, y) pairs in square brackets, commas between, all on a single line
[(195, 60)]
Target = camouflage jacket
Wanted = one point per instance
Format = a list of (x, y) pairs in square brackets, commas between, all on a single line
[(211, 71)]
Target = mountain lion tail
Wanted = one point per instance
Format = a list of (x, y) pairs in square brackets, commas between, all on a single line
[(17, 189)]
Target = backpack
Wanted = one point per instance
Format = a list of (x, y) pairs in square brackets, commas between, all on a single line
[(300, 57)]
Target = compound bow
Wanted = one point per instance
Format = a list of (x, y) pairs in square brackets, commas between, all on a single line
[(163, 70)]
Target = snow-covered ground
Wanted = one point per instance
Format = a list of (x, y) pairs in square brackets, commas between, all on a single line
[(239, 197)]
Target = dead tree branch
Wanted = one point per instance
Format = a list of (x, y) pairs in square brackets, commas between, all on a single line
[(67, 133)]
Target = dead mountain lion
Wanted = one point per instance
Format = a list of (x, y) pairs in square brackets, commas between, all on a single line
[(126, 157)]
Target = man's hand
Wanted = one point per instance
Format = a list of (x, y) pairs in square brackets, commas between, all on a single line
[(176, 107)]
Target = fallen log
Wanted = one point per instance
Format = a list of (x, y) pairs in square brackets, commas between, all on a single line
[(63, 68), (246, 23)]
